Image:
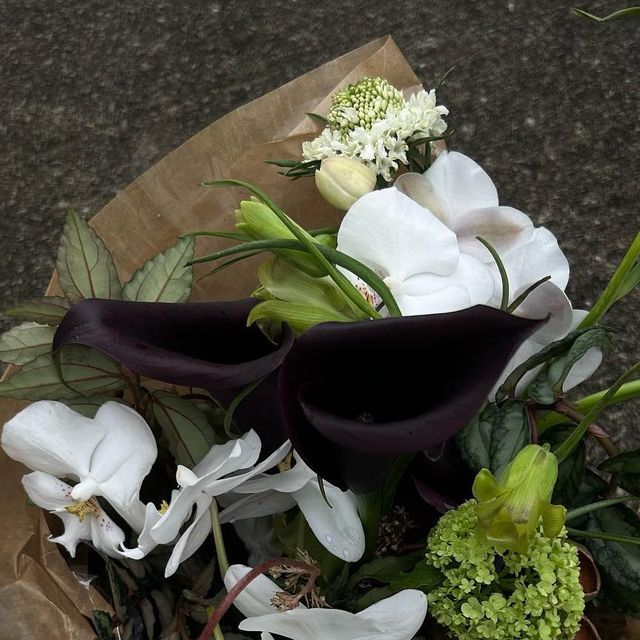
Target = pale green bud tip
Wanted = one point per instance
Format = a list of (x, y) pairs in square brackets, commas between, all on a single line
[(342, 180), (509, 510), (534, 594), (363, 103)]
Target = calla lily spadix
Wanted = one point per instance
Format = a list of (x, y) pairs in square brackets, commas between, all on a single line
[(398, 617), (334, 520), (108, 455)]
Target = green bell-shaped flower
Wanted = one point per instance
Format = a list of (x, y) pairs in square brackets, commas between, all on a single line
[(510, 509)]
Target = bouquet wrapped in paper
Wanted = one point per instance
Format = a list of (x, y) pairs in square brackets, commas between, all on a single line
[(308, 377)]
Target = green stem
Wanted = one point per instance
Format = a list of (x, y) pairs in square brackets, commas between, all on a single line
[(218, 539), (309, 244), (598, 535), (594, 506), (628, 391), (609, 295), (578, 433), (217, 633), (363, 272)]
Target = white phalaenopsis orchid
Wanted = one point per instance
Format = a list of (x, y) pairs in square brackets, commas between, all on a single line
[(398, 617), (415, 254), (458, 192), (108, 455), (334, 520), (221, 471)]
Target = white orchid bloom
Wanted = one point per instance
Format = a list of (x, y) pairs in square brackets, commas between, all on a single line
[(334, 521), (83, 521), (462, 196), (415, 254), (398, 617), (108, 455), (548, 301), (219, 472)]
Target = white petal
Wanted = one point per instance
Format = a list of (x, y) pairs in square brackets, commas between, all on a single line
[(225, 485), (266, 503), (396, 237), (47, 491), (285, 481), (75, 531), (192, 537), (337, 527), (48, 436), (583, 369), (470, 283), (107, 536), (122, 459), (459, 184), (505, 228), (398, 617), (231, 456), (538, 258), (180, 507), (313, 624), (255, 599), (145, 542)]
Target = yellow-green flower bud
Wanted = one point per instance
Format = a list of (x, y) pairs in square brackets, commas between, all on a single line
[(342, 180), (510, 509), (363, 103)]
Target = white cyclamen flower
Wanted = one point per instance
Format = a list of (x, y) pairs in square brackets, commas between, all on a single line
[(460, 193), (109, 456), (334, 521), (415, 254), (398, 617), (221, 471)]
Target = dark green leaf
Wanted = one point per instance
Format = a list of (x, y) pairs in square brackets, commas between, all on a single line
[(318, 118), (25, 343), (85, 371), (385, 569), (625, 468), (372, 596), (103, 625), (631, 281), (186, 429), (48, 310), (494, 438), (85, 266), (571, 470), (619, 564), (423, 577), (551, 351), (164, 278)]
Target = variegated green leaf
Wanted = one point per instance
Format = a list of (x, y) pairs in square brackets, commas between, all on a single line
[(25, 342), (48, 310), (85, 372), (164, 278), (85, 266)]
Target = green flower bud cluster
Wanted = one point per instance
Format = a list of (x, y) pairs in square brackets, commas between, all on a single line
[(363, 103), (489, 596)]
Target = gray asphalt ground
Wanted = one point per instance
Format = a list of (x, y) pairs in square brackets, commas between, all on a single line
[(92, 93)]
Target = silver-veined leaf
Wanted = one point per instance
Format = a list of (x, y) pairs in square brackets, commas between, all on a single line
[(25, 342), (85, 267), (164, 278), (48, 310)]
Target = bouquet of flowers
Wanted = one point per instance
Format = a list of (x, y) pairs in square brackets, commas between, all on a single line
[(382, 441)]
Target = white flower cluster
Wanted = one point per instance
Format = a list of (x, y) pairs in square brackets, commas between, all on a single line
[(383, 144)]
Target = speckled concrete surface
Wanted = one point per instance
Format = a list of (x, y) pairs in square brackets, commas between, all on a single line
[(93, 93)]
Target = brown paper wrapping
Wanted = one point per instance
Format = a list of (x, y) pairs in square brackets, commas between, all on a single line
[(40, 598)]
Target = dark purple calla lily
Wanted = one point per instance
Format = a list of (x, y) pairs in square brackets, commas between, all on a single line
[(205, 345), (361, 392)]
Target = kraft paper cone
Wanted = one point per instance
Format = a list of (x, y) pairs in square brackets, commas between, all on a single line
[(40, 598)]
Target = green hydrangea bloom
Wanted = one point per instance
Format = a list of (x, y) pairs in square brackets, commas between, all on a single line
[(363, 103), (488, 596)]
